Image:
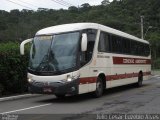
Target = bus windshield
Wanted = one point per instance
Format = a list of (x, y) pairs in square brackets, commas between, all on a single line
[(54, 53)]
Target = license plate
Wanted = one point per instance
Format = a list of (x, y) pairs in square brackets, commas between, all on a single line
[(47, 90)]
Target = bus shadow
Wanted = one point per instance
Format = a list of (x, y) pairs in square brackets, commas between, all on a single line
[(89, 96)]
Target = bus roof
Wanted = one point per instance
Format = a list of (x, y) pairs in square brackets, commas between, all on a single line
[(79, 26)]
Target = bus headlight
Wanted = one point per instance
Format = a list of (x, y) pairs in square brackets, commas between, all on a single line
[(30, 80), (69, 78)]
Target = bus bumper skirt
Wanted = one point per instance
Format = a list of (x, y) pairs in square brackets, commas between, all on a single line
[(67, 88)]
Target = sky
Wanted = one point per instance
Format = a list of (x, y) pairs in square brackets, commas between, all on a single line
[(8, 5)]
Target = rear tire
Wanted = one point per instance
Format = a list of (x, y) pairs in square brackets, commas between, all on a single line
[(99, 88), (140, 80)]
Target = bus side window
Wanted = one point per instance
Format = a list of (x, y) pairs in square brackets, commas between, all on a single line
[(125, 46), (116, 44), (133, 48), (91, 36), (146, 50), (104, 42)]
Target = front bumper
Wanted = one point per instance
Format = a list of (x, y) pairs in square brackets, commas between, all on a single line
[(59, 88)]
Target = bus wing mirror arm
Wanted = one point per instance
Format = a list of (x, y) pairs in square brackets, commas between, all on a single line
[(22, 45), (84, 42)]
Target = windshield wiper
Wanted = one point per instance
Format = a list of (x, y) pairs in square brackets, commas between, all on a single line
[(44, 60), (46, 64)]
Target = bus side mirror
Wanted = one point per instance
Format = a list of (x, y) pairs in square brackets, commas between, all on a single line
[(84, 42), (22, 45)]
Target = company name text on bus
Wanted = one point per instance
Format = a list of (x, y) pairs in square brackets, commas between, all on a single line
[(123, 60)]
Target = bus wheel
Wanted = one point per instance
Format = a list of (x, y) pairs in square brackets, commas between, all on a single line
[(140, 80), (99, 88), (59, 96)]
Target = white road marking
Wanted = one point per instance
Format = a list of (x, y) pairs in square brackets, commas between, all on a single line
[(25, 108)]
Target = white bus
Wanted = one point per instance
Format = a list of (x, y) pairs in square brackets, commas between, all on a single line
[(79, 58)]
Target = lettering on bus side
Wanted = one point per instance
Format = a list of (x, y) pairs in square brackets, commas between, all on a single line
[(125, 60), (141, 61), (101, 56)]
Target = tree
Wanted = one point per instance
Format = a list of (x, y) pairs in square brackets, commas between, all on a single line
[(86, 6), (105, 2), (73, 9)]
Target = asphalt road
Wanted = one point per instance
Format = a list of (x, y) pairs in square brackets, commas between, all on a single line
[(125, 100)]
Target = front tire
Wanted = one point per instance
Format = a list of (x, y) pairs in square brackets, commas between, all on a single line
[(99, 88)]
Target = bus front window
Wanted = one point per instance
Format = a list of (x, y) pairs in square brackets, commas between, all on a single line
[(54, 53), (39, 51)]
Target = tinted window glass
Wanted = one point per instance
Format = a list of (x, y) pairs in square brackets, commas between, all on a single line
[(103, 45), (126, 45), (121, 45)]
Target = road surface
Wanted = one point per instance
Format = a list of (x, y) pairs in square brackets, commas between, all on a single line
[(124, 100)]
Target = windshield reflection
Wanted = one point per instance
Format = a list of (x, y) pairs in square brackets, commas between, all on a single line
[(54, 53)]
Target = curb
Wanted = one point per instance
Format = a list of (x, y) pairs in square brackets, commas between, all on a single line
[(155, 77), (18, 97)]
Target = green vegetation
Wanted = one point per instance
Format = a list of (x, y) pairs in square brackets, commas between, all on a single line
[(124, 15), (156, 64), (12, 69)]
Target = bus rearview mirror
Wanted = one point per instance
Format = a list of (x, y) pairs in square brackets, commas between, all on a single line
[(84, 42), (22, 45)]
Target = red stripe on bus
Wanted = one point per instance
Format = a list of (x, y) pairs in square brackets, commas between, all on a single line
[(127, 60), (88, 80), (121, 76)]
